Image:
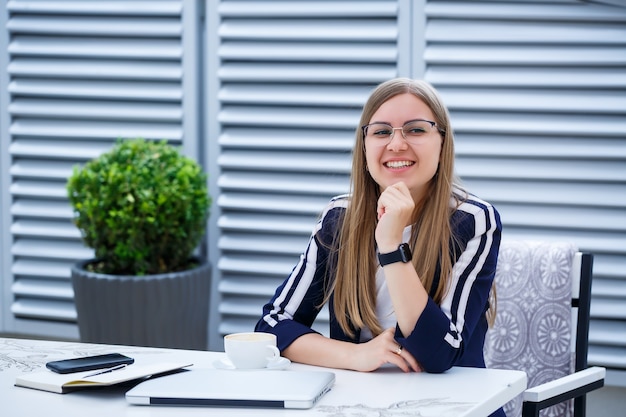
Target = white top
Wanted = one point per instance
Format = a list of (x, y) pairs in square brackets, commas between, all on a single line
[(384, 308)]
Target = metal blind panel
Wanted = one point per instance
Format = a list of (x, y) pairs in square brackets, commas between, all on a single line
[(537, 95), (82, 75), (293, 77)]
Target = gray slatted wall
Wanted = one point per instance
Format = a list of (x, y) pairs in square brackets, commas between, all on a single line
[(81, 75), (292, 79), (537, 93)]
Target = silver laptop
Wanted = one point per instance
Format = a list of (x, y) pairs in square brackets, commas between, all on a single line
[(233, 388)]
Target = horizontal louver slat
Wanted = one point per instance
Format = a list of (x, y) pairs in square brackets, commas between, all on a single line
[(95, 48), (537, 11), (44, 229), (92, 69), (600, 220), (255, 265), (610, 288), (49, 249), (483, 77), (57, 149), (539, 101), (550, 192), (309, 58), (278, 244), (610, 333), (514, 32), (293, 95), (44, 309), (95, 26), (334, 74), (526, 56), (327, 9), (272, 203), (49, 290), (586, 171), (141, 8), (50, 268), (103, 89), (295, 183), (539, 146), (265, 223), (32, 209), (612, 357), (378, 30), (109, 110), (88, 129), (285, 162)]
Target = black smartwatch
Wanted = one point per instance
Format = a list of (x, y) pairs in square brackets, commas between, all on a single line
[(402, 254)]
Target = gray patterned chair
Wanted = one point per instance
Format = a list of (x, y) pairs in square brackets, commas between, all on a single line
[(542, 326)]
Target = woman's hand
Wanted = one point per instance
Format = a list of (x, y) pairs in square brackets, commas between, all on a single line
[(380, 350), (395, 208)]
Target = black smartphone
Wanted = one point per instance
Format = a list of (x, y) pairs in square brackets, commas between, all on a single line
[(89, 363)]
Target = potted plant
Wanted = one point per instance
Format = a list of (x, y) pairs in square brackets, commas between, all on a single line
[(142, 207)]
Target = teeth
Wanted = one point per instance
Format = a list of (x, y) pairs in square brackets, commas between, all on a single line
[(398, 164)]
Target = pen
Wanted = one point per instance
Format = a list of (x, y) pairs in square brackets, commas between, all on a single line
[(115, 368)]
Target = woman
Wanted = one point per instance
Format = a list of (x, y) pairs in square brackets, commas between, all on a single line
[(405, 262)]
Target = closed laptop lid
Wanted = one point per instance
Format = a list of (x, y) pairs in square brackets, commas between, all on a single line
[(234, 388)]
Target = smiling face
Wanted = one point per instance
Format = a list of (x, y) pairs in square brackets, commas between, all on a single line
[(413, 163)]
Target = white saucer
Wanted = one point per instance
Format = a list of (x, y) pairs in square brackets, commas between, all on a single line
[(225, 363)]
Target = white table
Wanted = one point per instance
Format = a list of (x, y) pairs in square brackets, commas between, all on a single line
[(460, 392)]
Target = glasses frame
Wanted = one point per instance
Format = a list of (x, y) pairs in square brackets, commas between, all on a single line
[(441, 131)]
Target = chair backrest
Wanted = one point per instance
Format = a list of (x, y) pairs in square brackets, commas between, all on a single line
[(542, 322)]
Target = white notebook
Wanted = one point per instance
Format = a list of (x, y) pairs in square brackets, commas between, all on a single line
[(63, 383), (234, 388)]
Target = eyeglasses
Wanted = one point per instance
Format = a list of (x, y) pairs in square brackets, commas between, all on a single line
[(414, 132)]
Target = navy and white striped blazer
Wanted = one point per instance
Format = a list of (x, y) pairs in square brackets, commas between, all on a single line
[(445, 335)]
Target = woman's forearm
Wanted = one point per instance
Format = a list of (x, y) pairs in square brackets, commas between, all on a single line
[(407, 293), (315, 349)]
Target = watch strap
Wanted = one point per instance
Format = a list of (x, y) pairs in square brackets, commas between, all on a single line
[(402, 254)]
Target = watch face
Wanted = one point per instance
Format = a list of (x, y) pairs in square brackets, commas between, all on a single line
[(405, 252)]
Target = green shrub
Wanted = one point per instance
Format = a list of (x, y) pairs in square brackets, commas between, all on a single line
[(141, 206)]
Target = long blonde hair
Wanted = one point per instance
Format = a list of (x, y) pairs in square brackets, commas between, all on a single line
[(354, 286)]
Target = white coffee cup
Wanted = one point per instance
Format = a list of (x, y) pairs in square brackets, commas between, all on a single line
[(251, 350)]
